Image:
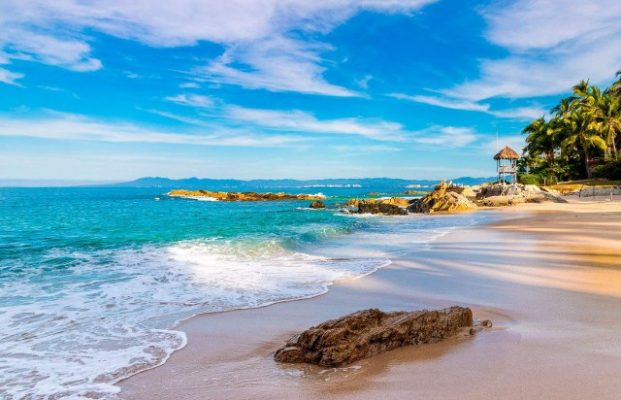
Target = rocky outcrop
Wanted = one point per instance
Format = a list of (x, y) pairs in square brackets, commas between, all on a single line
[(374, 207), (366, 333), (498, 195), (444, 198), (242, 196), (317, 204)]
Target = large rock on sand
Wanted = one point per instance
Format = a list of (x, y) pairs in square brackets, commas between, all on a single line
[(369, 332), (444, 198)]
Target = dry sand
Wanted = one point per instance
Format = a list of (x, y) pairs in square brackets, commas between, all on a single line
[(548, 275)]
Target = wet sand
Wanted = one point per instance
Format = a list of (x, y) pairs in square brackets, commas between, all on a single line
[(548, 276)]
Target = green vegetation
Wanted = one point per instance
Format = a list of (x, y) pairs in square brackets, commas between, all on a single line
[(581, 140)]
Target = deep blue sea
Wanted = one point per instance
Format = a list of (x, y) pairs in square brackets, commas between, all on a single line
[(94, 280)]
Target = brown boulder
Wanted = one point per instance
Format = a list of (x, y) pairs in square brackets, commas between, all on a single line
[(366, 333), (317, 204), (373, 207)]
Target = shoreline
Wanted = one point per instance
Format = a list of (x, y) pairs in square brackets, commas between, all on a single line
[(234, 348)]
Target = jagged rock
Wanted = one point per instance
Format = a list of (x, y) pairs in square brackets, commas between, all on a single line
[(352, 203), (397, 201), (465, 191), (366, 333), (444, 198), (415, 192), (242, 196), (317, 204)]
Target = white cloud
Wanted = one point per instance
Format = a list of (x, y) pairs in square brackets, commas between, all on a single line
[(443, 102), (525, 113), (277, 64), (61, 126), (552, 45), (192, 100), (9, 77), (300, 121), (446, 136), (520, 113), (251, 32)]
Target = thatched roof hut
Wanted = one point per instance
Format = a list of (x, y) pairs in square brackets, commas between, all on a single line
[(507, 154)]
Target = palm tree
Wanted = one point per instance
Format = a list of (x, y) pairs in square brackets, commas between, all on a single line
[(608, 117), (583, 137), (582, 88), (540, 139), (615, 88)]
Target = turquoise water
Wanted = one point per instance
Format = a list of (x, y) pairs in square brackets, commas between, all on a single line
[(94, 280)]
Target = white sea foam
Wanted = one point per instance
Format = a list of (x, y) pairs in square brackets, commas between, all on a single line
[(111, 313)]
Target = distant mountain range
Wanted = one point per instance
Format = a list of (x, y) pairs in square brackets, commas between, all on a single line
[(257, 184)]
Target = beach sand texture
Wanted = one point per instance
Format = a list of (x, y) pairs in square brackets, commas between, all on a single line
[(547, 275)]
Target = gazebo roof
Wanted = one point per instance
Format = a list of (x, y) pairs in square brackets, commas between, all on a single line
[(507, 154)]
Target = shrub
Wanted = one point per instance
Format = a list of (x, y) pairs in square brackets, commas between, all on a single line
[(611, 170), (530, 179)]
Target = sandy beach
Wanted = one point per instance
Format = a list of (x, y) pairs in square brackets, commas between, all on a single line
[(547, 275)]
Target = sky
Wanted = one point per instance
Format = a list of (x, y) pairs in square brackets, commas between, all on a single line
[(416, 89)]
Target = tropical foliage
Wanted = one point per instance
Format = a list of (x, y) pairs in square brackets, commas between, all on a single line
[(581, 139)]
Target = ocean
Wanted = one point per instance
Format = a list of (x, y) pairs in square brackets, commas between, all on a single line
[(93, 281)]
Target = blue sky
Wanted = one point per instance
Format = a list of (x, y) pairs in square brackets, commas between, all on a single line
[(114, 90)]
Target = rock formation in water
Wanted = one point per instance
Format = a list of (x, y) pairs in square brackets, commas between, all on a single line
[(444, 198), (366, 333), (242, 196), (374, 207), (317, 204)]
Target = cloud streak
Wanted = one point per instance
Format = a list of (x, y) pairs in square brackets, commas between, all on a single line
[(519, 113), (300, 121), (60, 126)]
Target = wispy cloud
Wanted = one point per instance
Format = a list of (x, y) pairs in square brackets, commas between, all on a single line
[(192, 100), (278, 64), (446, 136), (8, 77), (300, 121), (61, 126), (525, 113), (443, 102), (518, 113), (261, 49)]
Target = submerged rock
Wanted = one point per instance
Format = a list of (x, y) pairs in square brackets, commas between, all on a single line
[(242, 196), (366, 333), (444, 198), (317, 204)]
